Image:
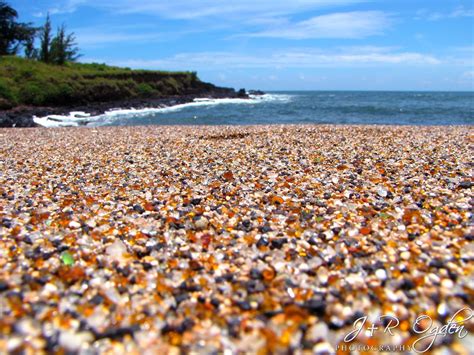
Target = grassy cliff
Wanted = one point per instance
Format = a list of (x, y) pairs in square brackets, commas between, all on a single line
[(32, 83)]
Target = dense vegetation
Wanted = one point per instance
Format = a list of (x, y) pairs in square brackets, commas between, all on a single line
[(49, 76), (29, 82)]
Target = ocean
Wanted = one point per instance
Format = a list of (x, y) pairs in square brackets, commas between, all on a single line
[(309, 107)]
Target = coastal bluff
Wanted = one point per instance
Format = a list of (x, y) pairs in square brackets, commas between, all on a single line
[(30, 88)]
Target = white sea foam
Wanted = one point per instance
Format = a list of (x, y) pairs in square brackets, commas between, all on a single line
[(254, 99), (75, 119)]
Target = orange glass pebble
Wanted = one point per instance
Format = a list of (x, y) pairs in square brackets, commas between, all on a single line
[(268, 274), (90, 200), (63, 222), (392, 244), (411, 216), (175, 338), (16, 230), (405, 326), (161, 286), (295, 313), (249, 239), (206, 240), (192, 237), (173, 263), (332, 279), (396, 273), (215, 185), (228, 176), (71, 275), (276, 200), (286, 336), (195, 265), (148, 206)]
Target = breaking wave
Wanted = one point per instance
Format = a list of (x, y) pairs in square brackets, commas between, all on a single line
[(75, 119)]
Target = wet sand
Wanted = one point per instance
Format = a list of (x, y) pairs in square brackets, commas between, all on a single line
[(205, 239)]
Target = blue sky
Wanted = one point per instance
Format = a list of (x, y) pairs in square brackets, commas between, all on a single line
[(279, 44)]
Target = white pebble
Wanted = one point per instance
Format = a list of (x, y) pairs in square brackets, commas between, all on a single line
[(381, 274), (447, 283), (201, 223), (91, 223), (74, 341), (28, 326), (355, 280), (382, 192), (74, 225), (323, 348), (317, 332), (405, 255), (116, 250)]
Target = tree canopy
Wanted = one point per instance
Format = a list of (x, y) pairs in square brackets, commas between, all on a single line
[(45, 41), (56, 49), (13, 34), (63, 47)]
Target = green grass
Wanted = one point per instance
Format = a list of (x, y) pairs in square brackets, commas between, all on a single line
[(28, 82)]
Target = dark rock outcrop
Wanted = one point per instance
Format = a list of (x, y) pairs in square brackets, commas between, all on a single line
[(256, 92)]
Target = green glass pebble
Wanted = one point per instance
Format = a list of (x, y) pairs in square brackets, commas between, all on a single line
[(67, 259)]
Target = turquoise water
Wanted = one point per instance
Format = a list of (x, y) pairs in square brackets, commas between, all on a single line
[(337, 107)]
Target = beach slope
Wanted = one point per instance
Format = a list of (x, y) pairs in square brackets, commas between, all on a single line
[(239, 238)]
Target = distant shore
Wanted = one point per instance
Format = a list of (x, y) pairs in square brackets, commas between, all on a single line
[(30, 88)]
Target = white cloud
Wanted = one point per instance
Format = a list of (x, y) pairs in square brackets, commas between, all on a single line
[(462, 56), (419, 36), (266, 18), (465, 79), (458, 12), (261, 12), (64, 7), (462, 12), (139, 33), (193, 9), (468, 49), (356, 24), (87, 39), (300, 58), (468, 75)]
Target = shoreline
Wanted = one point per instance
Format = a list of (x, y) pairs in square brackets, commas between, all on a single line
[(298, 111), (22, 116)]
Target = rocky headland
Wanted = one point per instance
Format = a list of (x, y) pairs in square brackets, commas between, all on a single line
[(29, 88)]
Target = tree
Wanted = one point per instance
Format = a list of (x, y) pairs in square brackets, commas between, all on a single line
[(13, 36), (45, 41), (57, 47), (63, 47), (71, 48), (12, 33), (30, 51)]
